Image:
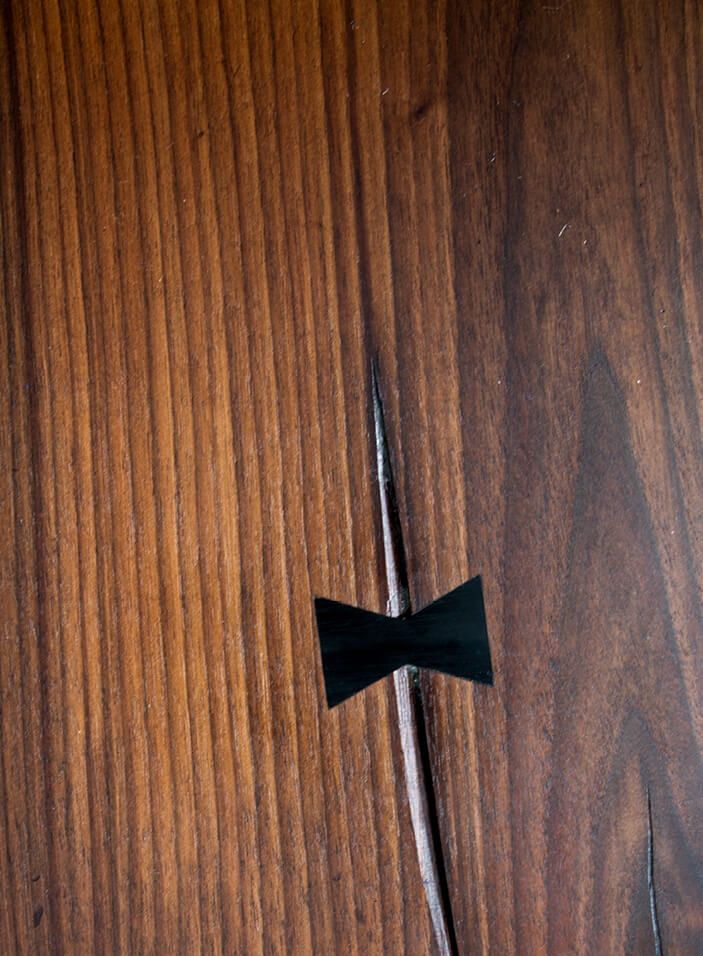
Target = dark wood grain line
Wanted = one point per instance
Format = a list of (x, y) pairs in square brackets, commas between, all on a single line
[(263, 356), (31, 785), (277, 289), (185, 119), (189, 480), (230, 887), (234, 282), (678, 378), (148, 412), (286, 109), (476, 105), (272, 900), (99, 704), (291, 293), (56, 802), (165, 340), (10, 906), (14, 838), (675, 391), (49, 335), (107, 260), (153, 852), (530, 440), (373, 307), (82, 468), (399, 36), (163, 505)]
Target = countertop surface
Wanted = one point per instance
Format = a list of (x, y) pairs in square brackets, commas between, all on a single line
[(213, 216)]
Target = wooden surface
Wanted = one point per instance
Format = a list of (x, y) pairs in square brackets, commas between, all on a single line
[(212, 215)]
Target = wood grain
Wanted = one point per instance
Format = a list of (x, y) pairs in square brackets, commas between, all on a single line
[(213, 214)]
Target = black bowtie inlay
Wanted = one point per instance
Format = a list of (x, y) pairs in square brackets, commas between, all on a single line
[(359, 647)]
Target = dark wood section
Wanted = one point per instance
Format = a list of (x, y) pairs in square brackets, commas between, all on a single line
[(213, 214)]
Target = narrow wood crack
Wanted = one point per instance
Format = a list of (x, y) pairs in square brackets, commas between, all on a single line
[(410, 707), (650, 880)]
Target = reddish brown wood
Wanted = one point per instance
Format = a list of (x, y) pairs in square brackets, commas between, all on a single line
[(212, 215)]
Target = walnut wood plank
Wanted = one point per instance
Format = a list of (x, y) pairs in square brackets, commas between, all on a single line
[(212, 215), (577, 265), (177, 484)]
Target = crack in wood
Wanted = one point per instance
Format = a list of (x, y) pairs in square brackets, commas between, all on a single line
[(411, 715), (650, 880)]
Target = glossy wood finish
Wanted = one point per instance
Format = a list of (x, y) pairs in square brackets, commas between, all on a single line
[(212, 215)]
